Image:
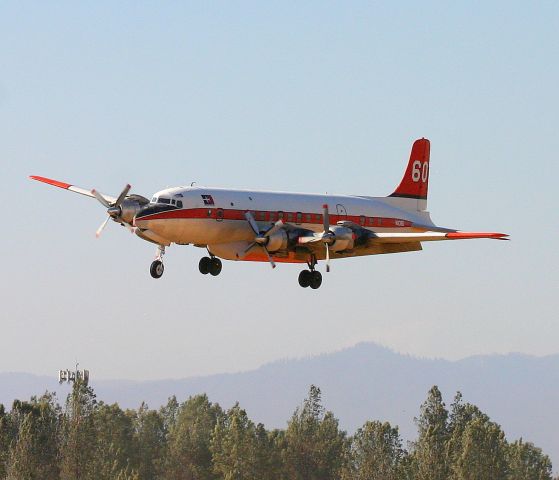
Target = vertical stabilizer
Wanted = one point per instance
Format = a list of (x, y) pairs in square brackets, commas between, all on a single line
[(414, 185)]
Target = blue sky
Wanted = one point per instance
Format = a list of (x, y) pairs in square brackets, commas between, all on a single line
[(320, 96)]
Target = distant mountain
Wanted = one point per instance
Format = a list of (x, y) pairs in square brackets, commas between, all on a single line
[(520, 392)]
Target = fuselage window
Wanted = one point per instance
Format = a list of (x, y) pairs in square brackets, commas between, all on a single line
[(289, 217), (319, 218), (272, 216), (298, 218), (261, 216), (308, 217), (219, 215), (280, 215), (362, 220), (380, 221)]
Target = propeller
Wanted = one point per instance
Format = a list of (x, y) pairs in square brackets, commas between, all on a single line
[(114, 209), (327, 236), (261, 238)]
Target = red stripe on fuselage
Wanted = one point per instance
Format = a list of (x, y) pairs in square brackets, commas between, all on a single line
[(272, 216)]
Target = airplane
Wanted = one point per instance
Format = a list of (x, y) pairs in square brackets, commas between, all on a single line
[(281, 227)]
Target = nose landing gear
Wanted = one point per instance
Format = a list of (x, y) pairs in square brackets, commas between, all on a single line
[(157, 268), (311, 278), (211, 265)]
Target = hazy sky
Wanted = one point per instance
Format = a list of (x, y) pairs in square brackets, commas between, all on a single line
[(305, 96)]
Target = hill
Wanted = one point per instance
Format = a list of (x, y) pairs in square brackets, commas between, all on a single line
[(367, 381)]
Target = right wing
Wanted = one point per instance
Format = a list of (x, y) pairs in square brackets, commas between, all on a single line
[(71, 188)]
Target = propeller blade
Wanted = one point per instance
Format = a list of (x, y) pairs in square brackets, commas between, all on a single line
[(327, 257), (326, 218), (252, 223), (274, 228), (250, 247), (102, 227), (272, 263), (122, 195), (102, 200)]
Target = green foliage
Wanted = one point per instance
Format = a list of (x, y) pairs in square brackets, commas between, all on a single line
[(527, 462), (196, 440), (314, 443), (188, 454), (377, 453)]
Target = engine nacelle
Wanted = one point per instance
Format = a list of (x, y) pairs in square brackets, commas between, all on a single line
[(344, 239), (277, 241), (128, 209)]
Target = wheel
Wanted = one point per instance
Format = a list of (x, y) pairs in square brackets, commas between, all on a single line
[(204, 265), (215, 266), (156, 269), (305, 278), (316, 280)]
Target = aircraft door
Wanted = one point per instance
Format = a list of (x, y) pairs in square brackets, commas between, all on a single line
[(341, 211)]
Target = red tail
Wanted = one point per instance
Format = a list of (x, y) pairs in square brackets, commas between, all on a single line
[(415, 182)]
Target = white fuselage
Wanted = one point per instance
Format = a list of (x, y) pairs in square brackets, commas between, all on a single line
[(213, 216)]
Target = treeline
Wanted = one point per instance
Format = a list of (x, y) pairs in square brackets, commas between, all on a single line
[(197, 440)]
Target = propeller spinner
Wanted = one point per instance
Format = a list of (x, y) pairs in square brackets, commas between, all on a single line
[(114, 210)]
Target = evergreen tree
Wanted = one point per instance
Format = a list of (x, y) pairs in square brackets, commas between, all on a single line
[(188, 455), (114, 446), (429, 452), (483, 451), (527, 462), (33, 453), (315, 446), (376, 452), (150, 441), (79, 436), (6, 437), (234, 446)]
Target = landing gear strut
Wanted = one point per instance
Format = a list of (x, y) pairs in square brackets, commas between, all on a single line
[(311, 277), (157, 268), (211, 265)]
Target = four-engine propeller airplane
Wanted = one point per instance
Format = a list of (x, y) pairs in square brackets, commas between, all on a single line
[(285, 227)]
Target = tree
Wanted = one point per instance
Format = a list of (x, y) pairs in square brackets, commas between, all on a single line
[(34, 450), (188, 455), (527, 462), (376, 452), (234, 446), (315, 447), (114, 442), (429, 452), (483, 451), (79, 436), (150, 440)]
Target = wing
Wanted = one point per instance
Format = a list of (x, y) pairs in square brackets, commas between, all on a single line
[(432, 236), (71, 188)]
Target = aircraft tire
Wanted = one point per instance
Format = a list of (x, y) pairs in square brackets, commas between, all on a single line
[(204, 265), (305, 278), (156, 269), (215, 266), (316, 280)]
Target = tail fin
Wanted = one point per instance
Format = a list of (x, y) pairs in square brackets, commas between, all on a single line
[(415, 181)]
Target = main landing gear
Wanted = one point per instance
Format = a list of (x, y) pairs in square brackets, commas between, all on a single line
[(311, 277), (157, 268), (211, 265)]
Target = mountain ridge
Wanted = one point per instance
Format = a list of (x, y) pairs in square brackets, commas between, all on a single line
[(364, 382)]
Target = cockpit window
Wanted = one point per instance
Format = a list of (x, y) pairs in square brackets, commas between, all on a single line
[(165, 200), (179, 203), (154, 200)]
